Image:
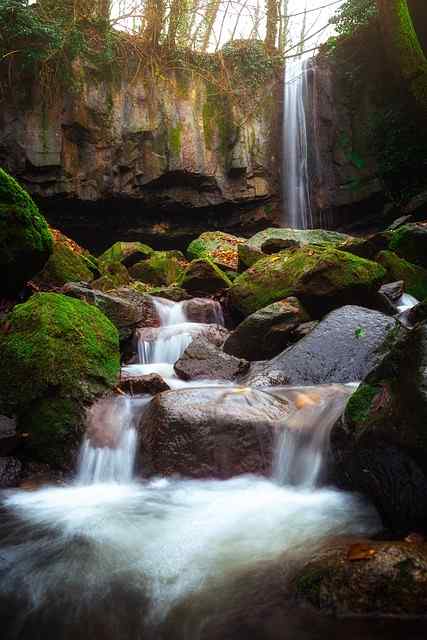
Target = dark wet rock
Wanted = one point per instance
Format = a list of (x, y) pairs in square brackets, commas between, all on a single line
[(8, 436), (389, 296), (321, 278), (304, 329), (162, 268), (210, 432), (126, 311), (411, 317), (203, 277), (273, 240), (344, 347), (410, 243), (138, 385), (203, 360), (204, 310), (25, 240), (413, 276), (399, 222), (379, 447), (220, 247), (142, 300), (267, 332), (10, 472), (173, 293), (388, 579), (128, 253), (366, 247), (213, 333)]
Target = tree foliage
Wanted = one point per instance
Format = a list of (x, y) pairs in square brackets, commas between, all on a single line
[(352, 15)]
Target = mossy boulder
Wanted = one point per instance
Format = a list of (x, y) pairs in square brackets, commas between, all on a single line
[(64, 265), (274, 240), (322, 278), (58, 354), (113, 275), (221, 247), (365, 578), (379, 446), (204, 277), (128, 253), (414, 277), (162, 268), (25, 239), (410, 243)]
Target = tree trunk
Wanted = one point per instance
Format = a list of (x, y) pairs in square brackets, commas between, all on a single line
[(272, 23)]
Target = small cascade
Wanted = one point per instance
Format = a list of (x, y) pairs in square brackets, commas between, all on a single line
[(406, 302), (301, 450), (108, 451), (296, 187)]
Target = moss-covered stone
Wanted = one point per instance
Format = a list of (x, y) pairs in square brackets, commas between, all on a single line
[(113, 275), (359, 406), (64, 265), (414, 277), (25, 239), (322, 278), (253, 249), (56, 345), (128, 253), (410, 242), (204, 276), (221, 247), (162, 268)]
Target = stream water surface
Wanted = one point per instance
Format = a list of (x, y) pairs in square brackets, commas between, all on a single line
[(110, 557)]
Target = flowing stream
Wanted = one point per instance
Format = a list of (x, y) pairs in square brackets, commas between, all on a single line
[(111, 557)]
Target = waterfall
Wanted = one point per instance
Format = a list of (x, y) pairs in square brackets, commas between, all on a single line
[(296, 185)]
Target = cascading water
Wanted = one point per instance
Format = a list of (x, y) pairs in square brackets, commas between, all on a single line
[(296, 187), (112, 558)]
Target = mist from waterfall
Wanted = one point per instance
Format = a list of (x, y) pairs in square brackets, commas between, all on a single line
[(296, 179)]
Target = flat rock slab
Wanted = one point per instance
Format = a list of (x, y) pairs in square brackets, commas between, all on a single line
[(204, 360)]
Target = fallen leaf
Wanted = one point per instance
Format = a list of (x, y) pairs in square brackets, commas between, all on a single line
[(360, 551)]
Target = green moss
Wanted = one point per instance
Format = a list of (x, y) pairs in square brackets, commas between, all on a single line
[(218, 122), (413, 62), (414, 277), (221, 247), (25, 239), (121, 250), (64, 265), (56, 346), (54, 428), (359, 406), (113, 275), (312, 273), (161, 268), (175, 134)]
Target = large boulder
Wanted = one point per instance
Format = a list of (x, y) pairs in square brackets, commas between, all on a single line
[(57, 355), (204, 360), (344, 347), (414, 277), (204, 277), (162, 268), (126, 308), (321, 278), (410, 243), (379, 447), (210, 432), (221, 247), (128, 253), (365, 578), (273, 240), (267, 332), (113, 275), (25, 239), (65, 264)]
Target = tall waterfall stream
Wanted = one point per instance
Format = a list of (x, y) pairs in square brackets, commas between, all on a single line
[(111, 557)]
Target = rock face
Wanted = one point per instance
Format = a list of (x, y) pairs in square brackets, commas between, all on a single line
[(389, 579), (57, 354), (344, 347), (322, 278), (203, 360), (380, 446), (159, 149), (25, 240), (210, 432), (267, 332)]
